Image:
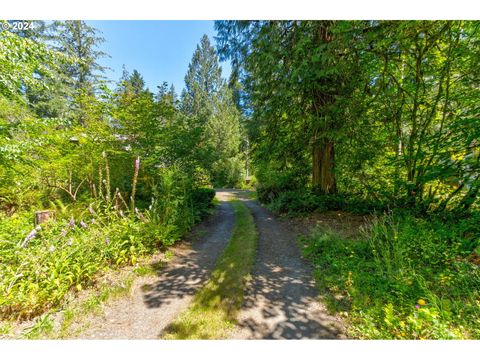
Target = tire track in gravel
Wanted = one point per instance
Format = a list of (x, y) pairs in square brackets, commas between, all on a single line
[(157, 300), (281, 301)]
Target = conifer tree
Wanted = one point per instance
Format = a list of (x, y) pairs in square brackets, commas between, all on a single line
[(209, 102)]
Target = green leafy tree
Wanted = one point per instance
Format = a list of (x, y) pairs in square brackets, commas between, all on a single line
[(208, 101), (385, 109), (21, 60), (293, 79), (419, 79)]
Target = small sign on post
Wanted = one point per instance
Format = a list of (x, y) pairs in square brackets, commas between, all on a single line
[(43, 216)]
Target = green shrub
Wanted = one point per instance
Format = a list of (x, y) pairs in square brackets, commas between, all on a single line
[(405, 278), (202, 200), (304, 200), (202, 197), (272, 183), (296, 202), (63, 256)]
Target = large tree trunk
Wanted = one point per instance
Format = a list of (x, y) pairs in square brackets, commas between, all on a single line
[(323, 173), (323, 154)]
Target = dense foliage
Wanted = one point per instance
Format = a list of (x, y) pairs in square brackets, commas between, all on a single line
[(209, 101), (386, 110), (123, 171), (406, 278), (370, 117)]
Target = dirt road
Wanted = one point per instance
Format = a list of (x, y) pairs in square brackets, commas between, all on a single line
[(281, 300), (157, 300)]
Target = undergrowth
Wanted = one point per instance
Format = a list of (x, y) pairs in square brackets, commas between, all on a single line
[(404, 278), (41, 264), (303, 201)]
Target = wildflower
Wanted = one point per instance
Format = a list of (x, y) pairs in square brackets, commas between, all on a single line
[(107, 240), (52, 248), (137, 164), (82, 224), (72, 222), (63, 232), (91, 210), (70, 242), (421, 302), (38, 228), (417, 306), (121, 213), (29, 237), (93, 221), (139, 214)]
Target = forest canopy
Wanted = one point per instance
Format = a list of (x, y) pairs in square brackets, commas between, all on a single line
[(386, 110)]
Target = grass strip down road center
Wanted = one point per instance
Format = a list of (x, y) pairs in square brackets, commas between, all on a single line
[(213, 310)]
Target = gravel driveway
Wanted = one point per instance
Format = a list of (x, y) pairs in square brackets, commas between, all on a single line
[(157, 300)]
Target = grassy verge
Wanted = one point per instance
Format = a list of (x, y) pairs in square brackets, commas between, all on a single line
[(60, 325), (213, 311), (72, 318), (40, 266), (405, 278)]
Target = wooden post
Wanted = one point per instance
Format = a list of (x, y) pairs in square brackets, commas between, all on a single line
[(43, 216)]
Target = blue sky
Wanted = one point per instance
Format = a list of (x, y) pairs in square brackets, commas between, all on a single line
[(159, 50)]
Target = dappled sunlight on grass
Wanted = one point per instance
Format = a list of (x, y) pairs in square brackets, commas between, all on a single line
[(212, 314)]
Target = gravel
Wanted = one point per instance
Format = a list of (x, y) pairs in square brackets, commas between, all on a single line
[(155, 301), (281, 300)]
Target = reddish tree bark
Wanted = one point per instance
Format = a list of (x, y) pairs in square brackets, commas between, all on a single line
[(323, 167)]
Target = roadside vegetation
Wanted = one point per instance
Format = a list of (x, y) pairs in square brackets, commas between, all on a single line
[(73, 316), (378, 118), (213, 310), (94, 176), (402, 278)]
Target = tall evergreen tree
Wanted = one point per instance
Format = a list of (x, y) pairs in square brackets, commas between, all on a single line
[(80, 41), (131, 83), (208, 101), (76, 38), (202, 81)]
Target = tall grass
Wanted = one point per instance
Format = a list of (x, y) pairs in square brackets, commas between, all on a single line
[(39, 266), (404, 278)]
